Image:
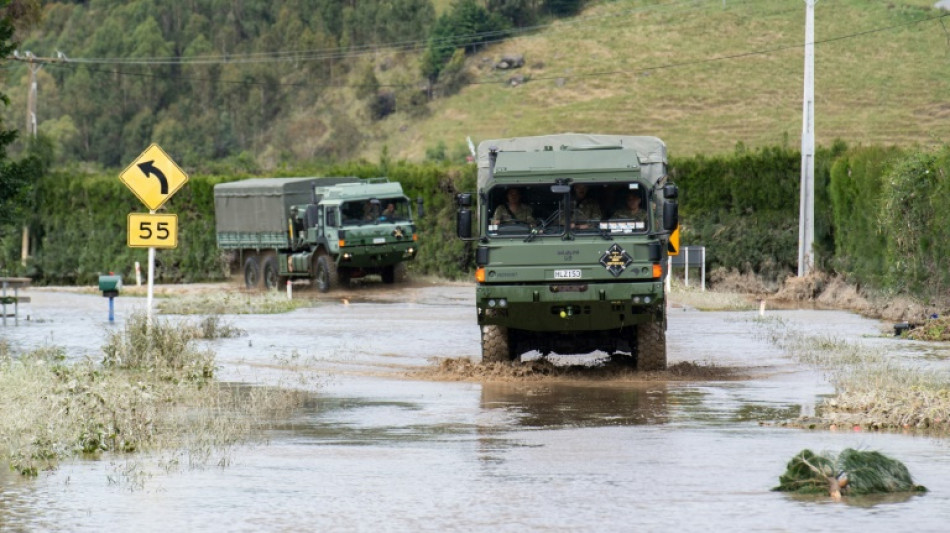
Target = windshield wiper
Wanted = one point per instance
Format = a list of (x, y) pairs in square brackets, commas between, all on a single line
[(544, 225)]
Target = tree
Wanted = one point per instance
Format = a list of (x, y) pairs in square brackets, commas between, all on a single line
[(468, 25), (15, 176)]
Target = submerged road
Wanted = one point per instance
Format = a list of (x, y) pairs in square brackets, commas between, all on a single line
[(389, 444)]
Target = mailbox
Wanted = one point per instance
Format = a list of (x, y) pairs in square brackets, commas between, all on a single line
[(110, 285)]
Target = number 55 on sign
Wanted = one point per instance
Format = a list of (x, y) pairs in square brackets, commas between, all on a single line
[(153, 230)]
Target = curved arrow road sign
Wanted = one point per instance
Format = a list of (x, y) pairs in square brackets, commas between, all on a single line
[(153, 177)]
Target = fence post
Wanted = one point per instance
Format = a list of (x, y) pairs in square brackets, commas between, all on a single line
[(686, 265), (669, 271), (703, 267)]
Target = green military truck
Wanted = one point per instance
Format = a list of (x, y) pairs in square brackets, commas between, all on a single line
[(566, 263), (328, 230)]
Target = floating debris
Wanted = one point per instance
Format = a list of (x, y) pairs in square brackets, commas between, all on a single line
[(852, 472)]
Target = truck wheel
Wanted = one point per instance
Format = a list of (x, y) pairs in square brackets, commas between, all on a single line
[(271, 274), (389, 274), (325, 275), (495, 346), (344, 275), (252, 272), (400, 272), (651, 347)]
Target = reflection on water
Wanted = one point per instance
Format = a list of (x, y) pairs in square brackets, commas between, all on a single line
[(559, 405), (376, 451)]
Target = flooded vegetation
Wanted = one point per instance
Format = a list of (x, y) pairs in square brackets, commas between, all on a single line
[(153, 391), (388, 403), (873, 389)]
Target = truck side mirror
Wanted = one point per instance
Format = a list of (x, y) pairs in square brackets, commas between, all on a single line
[(671, 192), (670, 215), (420, 209), (463, 221)]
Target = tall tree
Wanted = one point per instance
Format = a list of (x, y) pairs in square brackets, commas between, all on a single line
[(15, 176)]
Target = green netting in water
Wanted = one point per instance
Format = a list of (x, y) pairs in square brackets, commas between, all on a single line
[(854, 472)]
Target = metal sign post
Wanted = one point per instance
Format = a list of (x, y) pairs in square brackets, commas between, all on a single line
[(153, 177)]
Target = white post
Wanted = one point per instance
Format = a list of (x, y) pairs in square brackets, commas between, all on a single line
[(703, 267), (806, 221), (669, 272), (138, 274), (686, 264), (151, 277), (290, 290), (151, 281)]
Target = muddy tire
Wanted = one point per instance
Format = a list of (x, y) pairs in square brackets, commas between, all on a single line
[(343, 275), (400, 272), (272, 277), (388, 274), (252, 273), (651, 347), (495, 344), (325, 276)]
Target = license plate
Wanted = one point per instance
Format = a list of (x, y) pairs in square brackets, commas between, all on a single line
[(379, 240), (567, 274)]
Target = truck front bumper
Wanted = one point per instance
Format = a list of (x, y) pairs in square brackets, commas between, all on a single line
[(570, 306), (377, 255)]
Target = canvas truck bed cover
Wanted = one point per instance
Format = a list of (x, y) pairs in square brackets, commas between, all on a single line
[(259, 204), (651, 151)]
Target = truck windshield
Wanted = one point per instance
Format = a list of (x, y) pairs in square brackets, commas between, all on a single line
[(609, 208), (517, 211), (375, 211), (592, 208)]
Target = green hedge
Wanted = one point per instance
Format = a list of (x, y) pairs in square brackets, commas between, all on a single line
[(744, 208), (80, 229), (882, 218)]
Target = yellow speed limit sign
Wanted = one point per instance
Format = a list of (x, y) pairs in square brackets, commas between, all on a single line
[(150, 230)]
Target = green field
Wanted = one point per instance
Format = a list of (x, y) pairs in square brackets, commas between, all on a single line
[(704, 76)]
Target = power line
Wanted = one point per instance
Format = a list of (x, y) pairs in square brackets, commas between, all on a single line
[(463, 40), (63, 62)]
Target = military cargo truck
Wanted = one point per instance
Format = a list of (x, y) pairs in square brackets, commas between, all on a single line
[(329, 230), (566, 263)]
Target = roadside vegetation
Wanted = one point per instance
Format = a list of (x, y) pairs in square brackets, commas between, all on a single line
[(872, 390), (228, 302), (153, 392)]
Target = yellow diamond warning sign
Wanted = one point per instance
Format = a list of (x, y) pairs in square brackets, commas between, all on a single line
[(153, 177), (673, 246)]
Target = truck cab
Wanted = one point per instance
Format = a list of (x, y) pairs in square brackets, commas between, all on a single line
[(571, 237), (328, 230)]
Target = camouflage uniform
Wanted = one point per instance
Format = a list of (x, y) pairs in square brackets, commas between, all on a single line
[(520, 214), (625, 213), (586, 211)]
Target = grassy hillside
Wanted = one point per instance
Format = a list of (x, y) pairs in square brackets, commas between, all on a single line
[(704, 76)]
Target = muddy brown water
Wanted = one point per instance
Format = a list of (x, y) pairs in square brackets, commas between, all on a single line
[(387, 444)]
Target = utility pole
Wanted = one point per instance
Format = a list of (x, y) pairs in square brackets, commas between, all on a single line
[(35, 64), (31, 96), (806, 220), (30, 129)]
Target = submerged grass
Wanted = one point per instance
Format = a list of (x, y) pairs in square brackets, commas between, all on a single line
[(232, 303), (154, 391), (872, 389), (709, 300)]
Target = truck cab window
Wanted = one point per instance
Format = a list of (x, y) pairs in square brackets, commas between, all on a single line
[(516, 211), (628, 210)]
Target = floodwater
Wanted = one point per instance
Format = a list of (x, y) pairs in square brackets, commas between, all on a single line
[(378, 449)]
